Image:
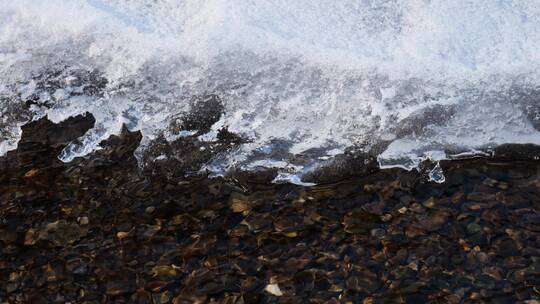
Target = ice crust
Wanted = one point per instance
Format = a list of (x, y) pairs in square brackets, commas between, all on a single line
[(426, 77)]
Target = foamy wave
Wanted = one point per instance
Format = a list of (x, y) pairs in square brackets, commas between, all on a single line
[(296, 78)]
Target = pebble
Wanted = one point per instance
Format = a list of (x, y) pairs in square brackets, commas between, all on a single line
[(403, 210), (274, 290), (378, 232), (83, 220)]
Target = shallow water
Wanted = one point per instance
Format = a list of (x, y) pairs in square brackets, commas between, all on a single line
[(98, 230), (299, 81)]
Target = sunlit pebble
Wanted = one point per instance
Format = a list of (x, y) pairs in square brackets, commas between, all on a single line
[(83, 220), (122, 234), (386, 217), (403, 210), (274, 289)]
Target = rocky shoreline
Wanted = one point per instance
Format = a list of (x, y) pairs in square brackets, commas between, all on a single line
[(98, 230)]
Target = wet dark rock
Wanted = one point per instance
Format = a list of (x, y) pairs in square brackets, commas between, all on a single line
[(205, 111), (61, 233), (343, 166), (474, 228), (46, 138), (363, 282), (117, 288), (416, 123), (378, 232), (517, 152), (360, 222), (506, 247), (434, 221)]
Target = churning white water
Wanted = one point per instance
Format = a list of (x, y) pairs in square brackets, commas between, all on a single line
[(426, 77)]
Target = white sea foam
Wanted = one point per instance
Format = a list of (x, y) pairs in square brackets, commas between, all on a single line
[(317, 75)]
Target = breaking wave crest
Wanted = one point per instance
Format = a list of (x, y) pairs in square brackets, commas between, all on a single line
[(299, 82)]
